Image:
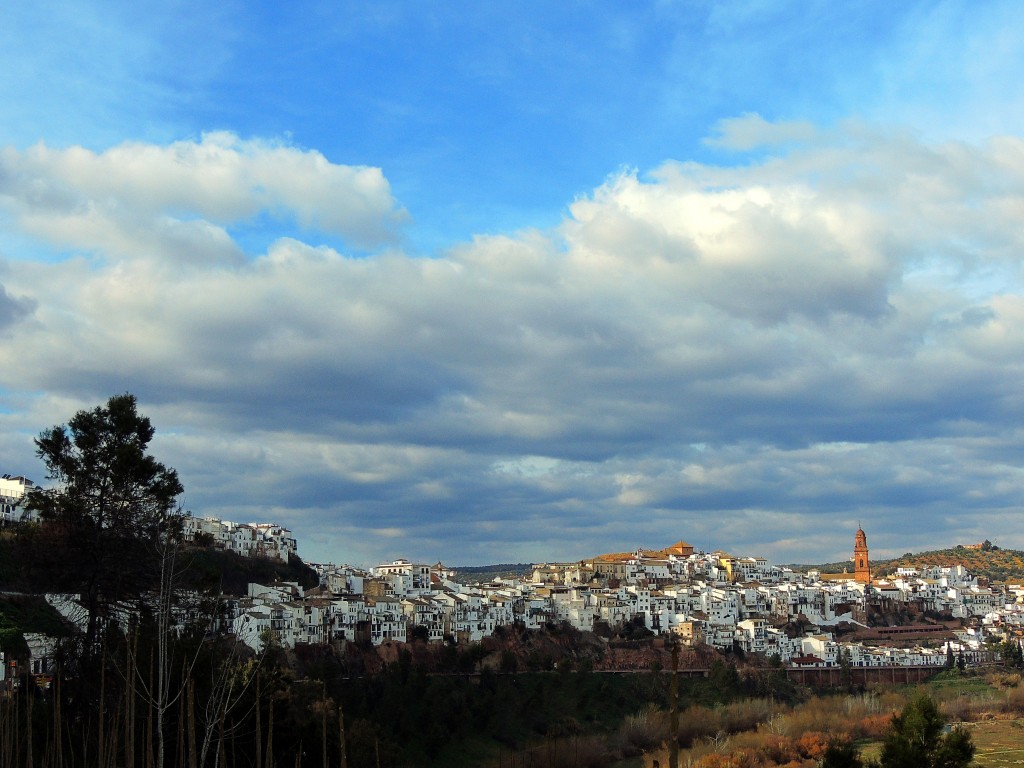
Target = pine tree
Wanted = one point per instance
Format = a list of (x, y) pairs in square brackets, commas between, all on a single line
[(915, 740), (110, 507)]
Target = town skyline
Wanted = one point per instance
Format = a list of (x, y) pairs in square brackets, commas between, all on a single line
[(699, 598), (13, 488), (529, 281), (270, 540)]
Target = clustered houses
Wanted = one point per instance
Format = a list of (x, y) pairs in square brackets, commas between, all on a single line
[(714, 598), (727, 602), (249, 540), (394, 602)]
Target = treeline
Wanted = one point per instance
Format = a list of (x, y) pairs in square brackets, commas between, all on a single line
[(196, 702), (277, 711)]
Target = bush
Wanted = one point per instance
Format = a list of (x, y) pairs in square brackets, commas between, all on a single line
[(871, 727), (1014, 702), (642, 732), (696, 723)]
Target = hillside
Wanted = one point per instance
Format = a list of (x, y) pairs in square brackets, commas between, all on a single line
[(231, 573), (21, 568), (994, 563)]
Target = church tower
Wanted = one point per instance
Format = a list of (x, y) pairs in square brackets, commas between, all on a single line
[(862, 568)]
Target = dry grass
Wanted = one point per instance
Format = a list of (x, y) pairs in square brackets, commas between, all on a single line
[(642, 732), (999, 742), (763, 734)]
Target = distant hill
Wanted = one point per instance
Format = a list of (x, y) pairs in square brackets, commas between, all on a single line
[(985, 560), (472, 574)]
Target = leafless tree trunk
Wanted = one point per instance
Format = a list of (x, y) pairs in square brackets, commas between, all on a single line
[(28, 724), (150, 756), (259, 727), (341, 736), (228, 685), (101, 723), (157, 690), (58, 724), (270, 736), (191, 724), (181, 731), (129, 705)]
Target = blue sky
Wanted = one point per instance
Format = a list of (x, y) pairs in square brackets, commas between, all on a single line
[(491, 119), (483, 282)]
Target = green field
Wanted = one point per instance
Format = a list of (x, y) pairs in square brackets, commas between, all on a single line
[(999, 742)]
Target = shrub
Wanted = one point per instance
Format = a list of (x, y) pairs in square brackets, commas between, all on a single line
[(812, 745), (696, 723), (871, 726), (641, 732), (744, 715)]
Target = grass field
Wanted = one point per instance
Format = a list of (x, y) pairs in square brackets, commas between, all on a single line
[(948, 685), (999, 742)]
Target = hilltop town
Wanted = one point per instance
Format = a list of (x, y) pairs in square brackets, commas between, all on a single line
[(732, 604), (920, 617)]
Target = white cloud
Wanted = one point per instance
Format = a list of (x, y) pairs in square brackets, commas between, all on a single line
[(751, 131), (174, 202), (830, 332)]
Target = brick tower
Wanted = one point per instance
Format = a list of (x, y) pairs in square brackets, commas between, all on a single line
[(861, 564)]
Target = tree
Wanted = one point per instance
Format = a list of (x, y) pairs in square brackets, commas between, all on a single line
[(846, 667), (841, 753), (111, 507), (915, 740), (1012, 654)]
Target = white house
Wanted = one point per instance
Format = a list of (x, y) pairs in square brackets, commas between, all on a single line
[(268, 540), (12, 493)]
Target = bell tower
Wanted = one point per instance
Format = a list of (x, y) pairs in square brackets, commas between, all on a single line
[(861, 564)]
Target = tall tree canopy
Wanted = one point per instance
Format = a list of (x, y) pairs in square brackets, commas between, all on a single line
[(110, 507)]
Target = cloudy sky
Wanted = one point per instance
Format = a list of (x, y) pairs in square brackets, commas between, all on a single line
[(487, 282)]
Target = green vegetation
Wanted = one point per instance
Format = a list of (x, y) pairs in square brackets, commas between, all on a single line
[(915, 739), (877, 729), (998, 742)]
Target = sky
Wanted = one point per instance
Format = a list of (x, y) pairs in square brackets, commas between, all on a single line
[(515, 282)]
